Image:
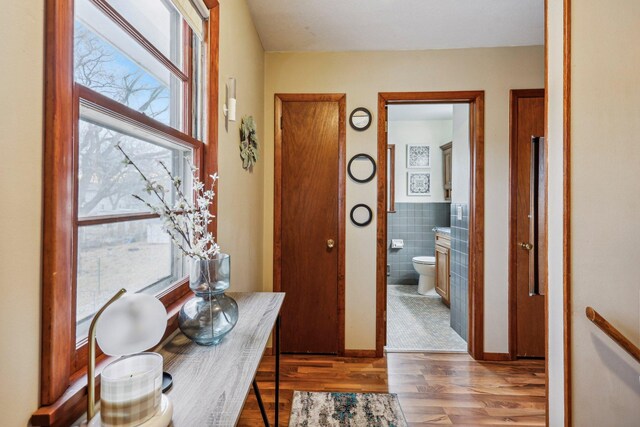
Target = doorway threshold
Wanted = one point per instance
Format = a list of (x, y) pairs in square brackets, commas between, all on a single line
[(422, 350)]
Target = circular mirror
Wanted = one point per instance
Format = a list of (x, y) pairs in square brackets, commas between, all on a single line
[(361, 168), (361, 215), (360, 119)]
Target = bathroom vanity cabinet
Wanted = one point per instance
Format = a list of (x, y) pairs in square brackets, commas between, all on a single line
[(443, 265), (447, 150)]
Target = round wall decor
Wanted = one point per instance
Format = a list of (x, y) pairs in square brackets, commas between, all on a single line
[(361, 215), (360, 119), (361, 168)]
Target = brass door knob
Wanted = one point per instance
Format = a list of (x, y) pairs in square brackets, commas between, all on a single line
[(330, 243), (526, 245)]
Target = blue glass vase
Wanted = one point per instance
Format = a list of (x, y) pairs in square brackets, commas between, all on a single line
[(211, 315)]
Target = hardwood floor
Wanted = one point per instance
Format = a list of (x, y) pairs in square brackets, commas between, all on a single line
[(434, 389)]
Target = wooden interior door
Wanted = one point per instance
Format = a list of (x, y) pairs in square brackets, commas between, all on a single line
[(528, 206), (309, 211)]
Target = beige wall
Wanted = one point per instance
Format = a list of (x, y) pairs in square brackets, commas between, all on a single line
[(605, 231), (21, 115), (555, 123), (461, 155), (433, 133), (361, 76), (240, 192)]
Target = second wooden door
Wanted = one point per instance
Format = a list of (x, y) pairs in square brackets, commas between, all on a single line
[(309, 221), (528, 332)]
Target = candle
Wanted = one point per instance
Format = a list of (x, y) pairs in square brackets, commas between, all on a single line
[(130, 390)]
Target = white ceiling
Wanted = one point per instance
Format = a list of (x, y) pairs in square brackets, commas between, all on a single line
[(420, 112), (356, 25)]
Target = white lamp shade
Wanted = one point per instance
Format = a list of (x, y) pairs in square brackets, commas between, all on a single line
[(134, 323)]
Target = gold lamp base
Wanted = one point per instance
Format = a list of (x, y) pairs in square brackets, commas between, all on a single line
[(162, 418)]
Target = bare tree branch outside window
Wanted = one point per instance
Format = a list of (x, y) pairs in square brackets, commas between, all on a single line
[(105, 186)]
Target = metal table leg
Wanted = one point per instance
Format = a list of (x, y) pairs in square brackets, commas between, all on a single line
[(256, 390), (277, 346)]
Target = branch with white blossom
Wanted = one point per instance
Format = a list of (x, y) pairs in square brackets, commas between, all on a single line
[(186, 222)]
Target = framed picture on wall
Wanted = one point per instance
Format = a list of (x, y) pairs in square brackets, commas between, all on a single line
[(418, 156), (418, 183)]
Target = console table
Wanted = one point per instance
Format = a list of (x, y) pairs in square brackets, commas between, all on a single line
[(211, 384)]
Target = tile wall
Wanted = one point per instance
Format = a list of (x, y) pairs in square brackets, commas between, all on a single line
[(413, 223), (459, 260)]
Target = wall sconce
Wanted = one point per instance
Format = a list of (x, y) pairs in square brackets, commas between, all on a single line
[(230, 102)]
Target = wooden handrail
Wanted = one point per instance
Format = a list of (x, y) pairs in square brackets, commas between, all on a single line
[(613, 333)]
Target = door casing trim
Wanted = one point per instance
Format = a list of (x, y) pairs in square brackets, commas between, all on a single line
[(475, 99), (341, 99), (566, 221)]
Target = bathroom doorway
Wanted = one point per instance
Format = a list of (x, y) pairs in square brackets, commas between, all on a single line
[(429, 170), (429, 282)]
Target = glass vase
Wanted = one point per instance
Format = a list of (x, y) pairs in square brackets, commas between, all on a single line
[(211, 315)]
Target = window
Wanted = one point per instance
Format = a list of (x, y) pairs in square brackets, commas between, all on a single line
[(118, 244), (109, 61), (133, 74)]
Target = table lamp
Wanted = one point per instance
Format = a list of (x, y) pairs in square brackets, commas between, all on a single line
[(131, 386)]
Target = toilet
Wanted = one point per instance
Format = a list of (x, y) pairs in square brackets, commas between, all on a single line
[(426, 268)]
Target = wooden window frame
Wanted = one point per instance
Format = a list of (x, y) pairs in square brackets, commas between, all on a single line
[(177, 288), (63, 381)]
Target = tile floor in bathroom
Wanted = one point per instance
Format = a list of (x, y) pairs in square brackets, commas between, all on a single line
[(419, 323)]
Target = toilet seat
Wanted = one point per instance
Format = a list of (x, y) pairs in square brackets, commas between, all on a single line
[(427, 260)]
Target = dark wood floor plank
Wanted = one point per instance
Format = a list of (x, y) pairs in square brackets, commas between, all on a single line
[(434, 389)]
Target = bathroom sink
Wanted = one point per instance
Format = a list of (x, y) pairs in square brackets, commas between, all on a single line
[(444, 230)]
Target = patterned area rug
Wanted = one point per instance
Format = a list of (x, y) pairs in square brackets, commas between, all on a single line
[(418, 322), (311, 409)]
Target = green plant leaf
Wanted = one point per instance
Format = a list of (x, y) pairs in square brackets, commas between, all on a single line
[(248, 142)]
